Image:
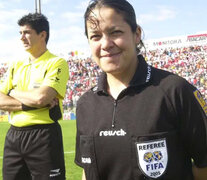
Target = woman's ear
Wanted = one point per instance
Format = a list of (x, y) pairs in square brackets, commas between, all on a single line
[(138, 34)]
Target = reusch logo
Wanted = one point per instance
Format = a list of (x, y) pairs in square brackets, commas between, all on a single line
[(149, 69), (120, 132)]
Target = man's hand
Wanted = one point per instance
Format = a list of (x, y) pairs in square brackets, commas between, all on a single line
[(53, 103)]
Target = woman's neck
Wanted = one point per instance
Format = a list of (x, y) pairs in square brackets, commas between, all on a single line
[(119, 82)]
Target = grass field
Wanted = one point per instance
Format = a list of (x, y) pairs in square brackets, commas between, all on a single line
[(73, 172)]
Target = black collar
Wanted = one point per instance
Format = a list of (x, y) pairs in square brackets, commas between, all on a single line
[(141, 76)]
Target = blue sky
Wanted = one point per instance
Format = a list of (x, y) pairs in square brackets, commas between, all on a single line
[(158, 18)]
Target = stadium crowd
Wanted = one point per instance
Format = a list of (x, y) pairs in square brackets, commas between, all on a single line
[(188, 62), (83, 75)]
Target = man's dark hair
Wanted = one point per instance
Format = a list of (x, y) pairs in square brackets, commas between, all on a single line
[(37, 21)]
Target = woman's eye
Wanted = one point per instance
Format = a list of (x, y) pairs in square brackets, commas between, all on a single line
[(94, 37), (116, 32)]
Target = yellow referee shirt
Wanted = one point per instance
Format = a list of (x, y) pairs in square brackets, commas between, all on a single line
[(47, 70)]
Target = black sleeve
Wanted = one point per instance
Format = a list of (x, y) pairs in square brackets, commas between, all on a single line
[(191, 109), (77, 150)]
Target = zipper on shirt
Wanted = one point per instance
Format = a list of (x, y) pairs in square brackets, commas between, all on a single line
[(114, 111)]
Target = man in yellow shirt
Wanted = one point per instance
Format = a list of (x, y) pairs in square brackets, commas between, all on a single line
[(32, 92)]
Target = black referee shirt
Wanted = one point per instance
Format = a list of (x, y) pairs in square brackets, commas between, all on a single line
[(151, 131)]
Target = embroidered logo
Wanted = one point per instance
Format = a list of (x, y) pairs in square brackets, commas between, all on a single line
[(59, 71), (152, 157), (120, 132), (86, 160), (149, 69), (200, 100), (54, 172)]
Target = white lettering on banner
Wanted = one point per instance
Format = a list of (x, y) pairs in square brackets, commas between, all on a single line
[(200, 37), (152, 157), (120, 132), (177, 41), (167, 42)]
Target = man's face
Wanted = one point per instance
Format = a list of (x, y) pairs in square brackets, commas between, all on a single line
[(30, 39)]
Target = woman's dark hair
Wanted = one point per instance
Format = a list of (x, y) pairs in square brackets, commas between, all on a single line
[(37, 21), (122, 7)]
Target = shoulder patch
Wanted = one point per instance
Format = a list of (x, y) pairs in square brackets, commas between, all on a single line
[(201, 101)]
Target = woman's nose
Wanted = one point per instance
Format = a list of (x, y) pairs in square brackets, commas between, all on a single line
[(106, 42)]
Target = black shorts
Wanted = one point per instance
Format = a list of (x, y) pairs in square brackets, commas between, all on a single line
[(34, 152)]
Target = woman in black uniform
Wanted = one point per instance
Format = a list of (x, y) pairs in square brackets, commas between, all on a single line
[(138, 122)]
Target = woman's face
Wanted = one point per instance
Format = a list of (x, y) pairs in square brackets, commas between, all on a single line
[(112, 42)]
